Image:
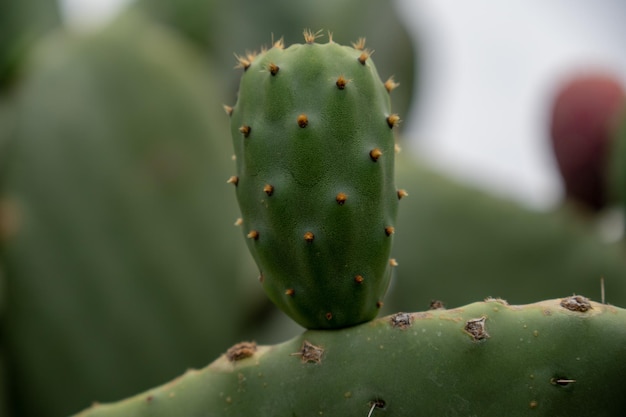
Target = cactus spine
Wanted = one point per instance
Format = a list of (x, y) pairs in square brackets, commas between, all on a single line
[(556, 357), (313, 139)]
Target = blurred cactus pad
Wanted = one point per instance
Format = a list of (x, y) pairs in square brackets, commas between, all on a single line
[(116, 219), (552, 358)]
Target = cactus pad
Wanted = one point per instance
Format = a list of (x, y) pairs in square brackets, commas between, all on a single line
[(313, 136)]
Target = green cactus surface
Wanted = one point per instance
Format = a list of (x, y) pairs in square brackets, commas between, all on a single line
[(313, 136), (115, 220), (553, 358)]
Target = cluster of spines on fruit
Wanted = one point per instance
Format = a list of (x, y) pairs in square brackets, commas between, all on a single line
[(314, 144)]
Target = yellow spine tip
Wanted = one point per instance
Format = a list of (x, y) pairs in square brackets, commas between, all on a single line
[(375, 154), (233, 180), (268, 189), (279, 44), (228, 110), (303, 121), (341, 198), (393, 120), (390, 84), (393, 262), (359, 44), (273, 68), (341, 82), (397, 148), (310, 36), (365, 54), (402, 194), (239, 222), (389, 230), (245, 130), (254, 235)]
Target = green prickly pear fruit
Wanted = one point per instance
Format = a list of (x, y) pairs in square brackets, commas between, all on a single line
[(314, 145), (553, 358)]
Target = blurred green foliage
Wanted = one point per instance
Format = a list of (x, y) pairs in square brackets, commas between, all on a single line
[(22, 22)]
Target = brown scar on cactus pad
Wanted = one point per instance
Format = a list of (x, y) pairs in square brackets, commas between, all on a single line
[(401, 320), (576, 303), (241, 351), (436, 305), (476, 328), (310, 353)]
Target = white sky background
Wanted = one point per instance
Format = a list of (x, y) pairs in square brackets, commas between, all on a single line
[(489, 69)]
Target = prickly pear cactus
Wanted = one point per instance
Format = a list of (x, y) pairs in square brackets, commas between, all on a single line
[(552, 358), (313, 136)]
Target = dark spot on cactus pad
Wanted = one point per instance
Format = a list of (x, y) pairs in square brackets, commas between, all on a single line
[(576, 303), (268, 189), (228, 110), (562, 381), (390, 84), (402, 194), (377, 403), (379, 304), (241, 351), (476, 328), (303, 121), (359, 44), (310, 353), (253, 235), (273, 68), (341, 82), (329, 316), (290, 292), (359, 279), (436, 305), (245, 130), (393, 120), (233, 180), (401, 320), (309, 236), (375, 154), (389, 230), (364, 56), (341, 198)]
